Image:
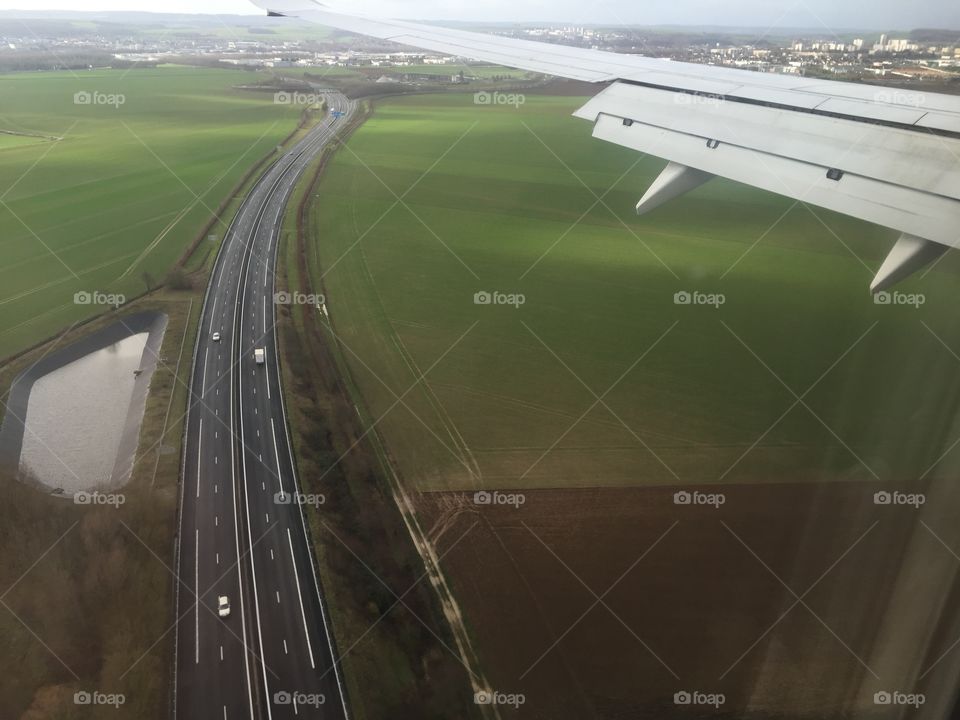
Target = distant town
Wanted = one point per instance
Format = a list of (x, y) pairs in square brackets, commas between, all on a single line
[(915, 56), (853, 58)]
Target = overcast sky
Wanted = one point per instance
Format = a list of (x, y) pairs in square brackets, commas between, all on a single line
[(830, 14)]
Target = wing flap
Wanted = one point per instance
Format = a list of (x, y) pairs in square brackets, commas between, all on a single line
[(914, 160), (910, 211)]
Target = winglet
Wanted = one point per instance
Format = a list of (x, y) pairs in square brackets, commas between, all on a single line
[(674, 181), (908, 255)]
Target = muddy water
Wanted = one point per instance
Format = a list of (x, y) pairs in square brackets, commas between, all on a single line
[(73, 422), (76, 416)]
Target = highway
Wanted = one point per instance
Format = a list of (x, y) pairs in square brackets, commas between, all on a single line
[(242, 527)]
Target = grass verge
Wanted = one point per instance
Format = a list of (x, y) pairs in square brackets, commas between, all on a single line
[(390, 629)]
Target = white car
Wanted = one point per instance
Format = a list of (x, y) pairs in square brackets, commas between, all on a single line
[(216, 337), (223, 606)]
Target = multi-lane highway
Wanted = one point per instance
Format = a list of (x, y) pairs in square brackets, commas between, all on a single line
[(242, 528)]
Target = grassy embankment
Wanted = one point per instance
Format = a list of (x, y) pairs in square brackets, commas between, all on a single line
[(389, 628), (88, 591)]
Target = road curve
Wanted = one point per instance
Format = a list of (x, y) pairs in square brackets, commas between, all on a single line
[(242, 529)]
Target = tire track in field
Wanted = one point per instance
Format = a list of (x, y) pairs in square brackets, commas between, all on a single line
[(507, 401), (411, 518), (67, 278), (368, 280), (464, 453), (12, 239), (82, 243), (58, 282)]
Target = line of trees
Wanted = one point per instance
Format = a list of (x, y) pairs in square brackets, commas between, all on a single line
[(85, 599)]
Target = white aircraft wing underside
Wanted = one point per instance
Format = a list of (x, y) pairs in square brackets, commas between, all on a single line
[(883, 155)]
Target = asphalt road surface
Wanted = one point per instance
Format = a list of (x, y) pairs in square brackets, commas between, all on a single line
[(242, 529)]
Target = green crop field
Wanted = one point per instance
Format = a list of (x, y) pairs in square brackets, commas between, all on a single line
[(484, 72), (600, 377), (8, 140), (104, 197), (333, 73)]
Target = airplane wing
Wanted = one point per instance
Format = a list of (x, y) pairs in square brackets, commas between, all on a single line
[(883, 155)]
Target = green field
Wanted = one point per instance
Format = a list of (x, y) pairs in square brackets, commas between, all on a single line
[(8, 140), (484, 72), (112, 205), (510, 396), (148, 27), (359, 72)]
